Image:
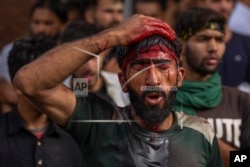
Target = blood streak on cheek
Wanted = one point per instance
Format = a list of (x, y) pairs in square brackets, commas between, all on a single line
[(168, 75)]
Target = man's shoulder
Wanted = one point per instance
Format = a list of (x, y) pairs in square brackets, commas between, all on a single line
[(10, 114), (6, 49), (94, 100), (3, 119), (239, 37), (199, 124), (239, 40), (8, 120), (96, 105), (232, 93)]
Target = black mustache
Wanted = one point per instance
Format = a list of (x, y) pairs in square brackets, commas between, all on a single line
[(157, 90)]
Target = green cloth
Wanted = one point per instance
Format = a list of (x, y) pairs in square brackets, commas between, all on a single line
[(199, 95)]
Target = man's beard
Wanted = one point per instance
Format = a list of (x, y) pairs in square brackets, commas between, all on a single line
[(54, 37), (200, 68), (152, 115)]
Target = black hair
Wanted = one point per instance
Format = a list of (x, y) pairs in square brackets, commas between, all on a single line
[(77, 30), (110, 55), (196, 19), (94, 3), (56, 6), (26, 50), (74, 5), (139, 47), (162, 3)]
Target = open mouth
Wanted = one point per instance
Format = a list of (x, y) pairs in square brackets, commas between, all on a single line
[(212, 61), (153, 98)]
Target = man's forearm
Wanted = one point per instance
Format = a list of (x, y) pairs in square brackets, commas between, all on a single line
[(55, 65)]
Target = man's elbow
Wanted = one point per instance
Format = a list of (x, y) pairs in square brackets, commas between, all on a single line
[(22, 81)]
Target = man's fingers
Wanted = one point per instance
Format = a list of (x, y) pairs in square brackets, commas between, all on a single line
[(139, 27), (148, 26)]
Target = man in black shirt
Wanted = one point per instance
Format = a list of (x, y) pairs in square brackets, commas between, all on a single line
[(27, 136)]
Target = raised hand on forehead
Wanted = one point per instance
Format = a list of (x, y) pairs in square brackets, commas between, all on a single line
[(139, 27)]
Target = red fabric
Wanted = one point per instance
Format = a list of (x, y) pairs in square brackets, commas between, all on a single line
[(155, 52), (38, 135)]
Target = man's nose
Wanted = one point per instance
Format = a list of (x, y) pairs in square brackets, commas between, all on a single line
[(41, 29), (213, 45), (152, 75)]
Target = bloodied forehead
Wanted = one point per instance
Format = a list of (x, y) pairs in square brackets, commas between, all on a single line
[(154, 52)]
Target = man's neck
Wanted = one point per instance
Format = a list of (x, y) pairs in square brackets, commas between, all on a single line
[(31, 117), (96, 87), (192, 75)]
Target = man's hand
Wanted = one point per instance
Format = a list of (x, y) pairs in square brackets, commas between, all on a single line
[(139, 27)]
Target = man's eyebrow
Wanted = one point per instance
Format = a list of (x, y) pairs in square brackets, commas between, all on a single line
[(140, 61), (147, 61), (161, 61), (211, 36)]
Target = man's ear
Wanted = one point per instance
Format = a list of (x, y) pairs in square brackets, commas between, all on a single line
[(122, 79), (89, 16), (180, 77)]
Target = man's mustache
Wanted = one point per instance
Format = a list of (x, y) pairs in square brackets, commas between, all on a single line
[(155, 90)]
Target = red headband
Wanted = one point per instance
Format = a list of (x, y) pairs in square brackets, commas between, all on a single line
[(154, 52)]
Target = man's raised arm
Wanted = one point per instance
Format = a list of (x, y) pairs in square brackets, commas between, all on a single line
[(40, 81)]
